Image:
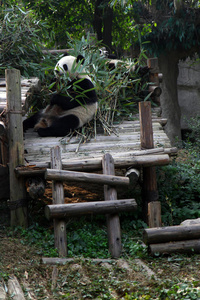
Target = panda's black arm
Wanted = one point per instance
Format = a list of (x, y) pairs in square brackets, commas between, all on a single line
[(64, 102), (31, 121)]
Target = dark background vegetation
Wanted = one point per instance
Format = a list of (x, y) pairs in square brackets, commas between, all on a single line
[(137, 29)]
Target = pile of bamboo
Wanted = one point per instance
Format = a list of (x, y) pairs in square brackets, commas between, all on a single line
[(173, 239)]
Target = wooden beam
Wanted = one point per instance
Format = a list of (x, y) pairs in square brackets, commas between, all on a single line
[(149, 186), (60, 211), (60, 235), (113, 222), (64, 261), (93, 164), (17, 202), (63, 175)]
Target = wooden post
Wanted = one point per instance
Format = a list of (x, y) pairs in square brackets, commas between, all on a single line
[(113, 222), (149, 189), (60, 235), (154, 78), (18, 204), (154, 214)]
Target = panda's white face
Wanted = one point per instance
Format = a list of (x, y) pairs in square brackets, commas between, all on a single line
[(65, 64), (70, 65)]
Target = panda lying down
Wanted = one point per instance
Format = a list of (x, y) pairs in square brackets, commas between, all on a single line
[(66, 113)]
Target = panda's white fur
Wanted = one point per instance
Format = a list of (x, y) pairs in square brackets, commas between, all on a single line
[(64, 113), (117, 63), (74, 70), (131, 67)]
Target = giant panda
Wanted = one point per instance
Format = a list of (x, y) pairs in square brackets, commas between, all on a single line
[(66, 112), (131, 67)]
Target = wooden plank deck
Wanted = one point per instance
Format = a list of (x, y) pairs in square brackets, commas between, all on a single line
[(123, 143), (27, 88)]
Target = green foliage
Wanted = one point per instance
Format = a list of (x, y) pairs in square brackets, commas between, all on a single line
[(62, 20), (181, 291), (127, 28), (87, 240), (174, 31), (178, 183), (119, 90), (37, 236), (167, 291), (21, 41), (85, 237)]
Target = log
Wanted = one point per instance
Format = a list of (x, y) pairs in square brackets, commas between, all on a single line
[(60, 235), (187, 246), (55, 51), (28, 171), (121, 162), (149, 186), (91, 164), (64, 261), (59, 211), (113, 222), (155, 90), (2, 290), (86, 177), (171, 233), (16, 148), (15, 290)]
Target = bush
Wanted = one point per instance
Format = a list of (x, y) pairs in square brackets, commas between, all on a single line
[(21, 41), (178, 183)]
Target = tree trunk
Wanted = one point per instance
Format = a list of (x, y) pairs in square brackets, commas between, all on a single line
[(107, 27), (168, 64), (98, 20), (103, 16)]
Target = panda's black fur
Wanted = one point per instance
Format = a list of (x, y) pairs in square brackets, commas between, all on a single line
[(66, 113)]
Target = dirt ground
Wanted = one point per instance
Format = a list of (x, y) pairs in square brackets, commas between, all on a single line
[(126, 278)]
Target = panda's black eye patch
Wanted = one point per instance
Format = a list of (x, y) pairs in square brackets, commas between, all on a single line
[(65, 67)]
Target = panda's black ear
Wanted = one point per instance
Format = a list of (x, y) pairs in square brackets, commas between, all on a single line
[(80, 58)]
